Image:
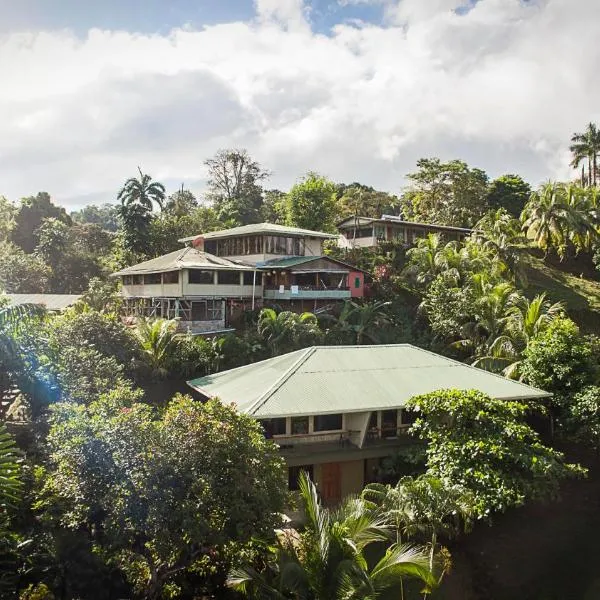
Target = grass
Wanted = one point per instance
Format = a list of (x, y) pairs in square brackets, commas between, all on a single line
[(563, 282)]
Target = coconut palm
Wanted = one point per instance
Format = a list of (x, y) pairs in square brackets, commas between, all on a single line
[(526, 319), (545, 218), (158, 340), (423, 262), (360, 321), (586, 147), (499, 233), (326, 560)]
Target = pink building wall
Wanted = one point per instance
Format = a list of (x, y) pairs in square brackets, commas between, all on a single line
[(356, 281)]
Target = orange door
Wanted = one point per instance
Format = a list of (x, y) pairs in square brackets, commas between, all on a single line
[(331, 483)]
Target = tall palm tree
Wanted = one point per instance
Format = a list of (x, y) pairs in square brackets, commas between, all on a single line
[(326, 560), (586, 146), (142, 192), (545, 218)]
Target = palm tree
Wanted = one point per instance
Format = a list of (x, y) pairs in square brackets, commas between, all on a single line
[(360, 321), (326, 561), (499, 233), (586, 146), (287, 329), (526, 319), (426, 505), (545, 218), (142, 192), (158, 341)]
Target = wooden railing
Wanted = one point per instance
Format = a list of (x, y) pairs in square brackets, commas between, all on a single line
[(343, 438)]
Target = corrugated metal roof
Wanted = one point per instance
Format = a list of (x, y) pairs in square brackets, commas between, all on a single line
[(332, 379), (50, 301), (257, 228), (185, 258), (352, 222)]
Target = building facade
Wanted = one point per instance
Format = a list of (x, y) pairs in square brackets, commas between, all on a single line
[(367, 232), (338, 411), (217, 275)]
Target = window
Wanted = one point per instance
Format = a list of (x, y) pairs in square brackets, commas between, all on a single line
[(249, 278), (373, 420), (299, 425), (389, 423), (327, 422), (294, 475), (127, 279), (198, 276), (171, 277), (228, 277), (137, 279), (151, 278), (273, 427), (357, 282)]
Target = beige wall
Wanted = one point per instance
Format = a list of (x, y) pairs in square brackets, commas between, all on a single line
[(151, 290), (219, 291), (314, 247)]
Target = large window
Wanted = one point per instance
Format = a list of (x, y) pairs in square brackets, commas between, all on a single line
[(286, 246), (151, 278), (273, 427), (328, 422), (171, 277), (127, 279), (299, 425), (238, 246), (249, 278), (137, 279), (389, 423), (228, 277), (294, 475), (198, 276)]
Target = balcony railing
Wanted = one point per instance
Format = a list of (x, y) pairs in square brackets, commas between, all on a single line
[(339, 438), (312, 292)]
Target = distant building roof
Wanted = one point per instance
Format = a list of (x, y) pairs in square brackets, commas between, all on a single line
[(358, 221), (334, 379), (259, 228), (49, 301), (185, 258)]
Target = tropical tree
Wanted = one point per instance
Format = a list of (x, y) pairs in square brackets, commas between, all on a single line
[(326, 561), (234, 184), (11, 488), (310, 203), (425, 505), (359, 321), (286, 330), (525, 321), (561, 214), (164, 495), (586, 147), (509, 192), (137, 197), (158, 340), (485, 446)]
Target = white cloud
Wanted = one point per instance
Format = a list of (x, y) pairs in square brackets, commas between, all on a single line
[(502, 85)]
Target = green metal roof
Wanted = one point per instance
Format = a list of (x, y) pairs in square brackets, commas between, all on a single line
[(333, 379), (185, 258), (259, 228)]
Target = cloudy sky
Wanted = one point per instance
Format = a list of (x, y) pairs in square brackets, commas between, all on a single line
[(355, 89)]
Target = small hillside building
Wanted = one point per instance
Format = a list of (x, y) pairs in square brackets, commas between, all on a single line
[(367, 232), (218, 274), (337, 411)]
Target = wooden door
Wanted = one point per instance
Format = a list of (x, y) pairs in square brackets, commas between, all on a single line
[(331, 483)]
